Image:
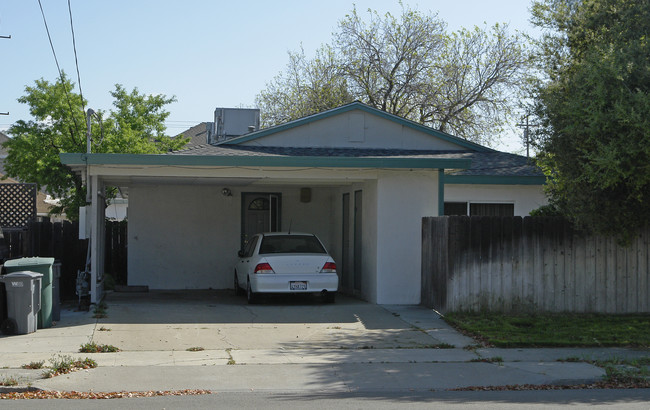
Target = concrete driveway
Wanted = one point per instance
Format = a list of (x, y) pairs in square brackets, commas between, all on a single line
[(215, 320)]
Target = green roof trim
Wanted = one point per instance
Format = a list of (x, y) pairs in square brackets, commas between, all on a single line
[(365, 108), (77, 159), (494, 180)]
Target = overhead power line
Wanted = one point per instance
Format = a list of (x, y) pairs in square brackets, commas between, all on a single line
[(76, 61), (56, 60)]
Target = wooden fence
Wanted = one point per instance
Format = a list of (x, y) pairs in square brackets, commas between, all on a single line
[(530, 265), (60, 241)]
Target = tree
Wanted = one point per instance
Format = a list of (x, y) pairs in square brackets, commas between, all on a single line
[(462, 83), (594, 107), (307, 87), (136, 126)]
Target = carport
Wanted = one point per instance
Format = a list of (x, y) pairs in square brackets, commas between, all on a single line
[(189, 212)]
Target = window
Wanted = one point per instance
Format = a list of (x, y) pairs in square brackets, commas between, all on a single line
[(479, 209), (291, 244), (455, 208)]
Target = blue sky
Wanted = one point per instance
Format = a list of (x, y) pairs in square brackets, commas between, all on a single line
[(206, 53)]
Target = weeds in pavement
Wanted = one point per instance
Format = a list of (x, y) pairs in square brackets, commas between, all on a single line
[(9, 381), (231, 360), (62, 364), (104, 329), (34, 365), (93, 347), (195, 349), (494, 359), (100, 311)]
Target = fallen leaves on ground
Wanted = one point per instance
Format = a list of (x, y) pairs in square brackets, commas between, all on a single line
[(596, 385), (47, 394)]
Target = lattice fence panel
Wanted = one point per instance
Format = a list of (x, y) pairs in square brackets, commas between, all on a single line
[(17, 205)]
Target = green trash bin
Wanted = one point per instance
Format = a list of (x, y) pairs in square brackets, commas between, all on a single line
[(43, 266)]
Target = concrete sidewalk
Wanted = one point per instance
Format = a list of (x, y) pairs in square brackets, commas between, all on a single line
[(349, 346)]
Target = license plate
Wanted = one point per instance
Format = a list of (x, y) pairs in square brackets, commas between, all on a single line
[(298, 285)]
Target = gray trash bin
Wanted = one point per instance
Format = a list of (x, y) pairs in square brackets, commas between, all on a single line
[(23, 302)]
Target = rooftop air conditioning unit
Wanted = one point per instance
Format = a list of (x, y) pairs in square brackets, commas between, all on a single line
[(234, 122)]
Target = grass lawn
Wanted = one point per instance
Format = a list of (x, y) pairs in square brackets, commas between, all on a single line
[(554, 330)]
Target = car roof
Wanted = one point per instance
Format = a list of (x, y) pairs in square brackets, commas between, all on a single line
[(287, 233)]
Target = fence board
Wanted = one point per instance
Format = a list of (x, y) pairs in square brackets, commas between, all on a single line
[(60, 240), (530, 264)]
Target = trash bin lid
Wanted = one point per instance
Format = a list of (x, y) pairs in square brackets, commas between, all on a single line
[(22, 274), (29, 261)]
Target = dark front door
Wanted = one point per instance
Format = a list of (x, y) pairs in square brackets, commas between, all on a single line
[(260, 213)]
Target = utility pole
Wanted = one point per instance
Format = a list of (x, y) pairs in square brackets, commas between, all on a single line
[(5, 113), (526, 126)]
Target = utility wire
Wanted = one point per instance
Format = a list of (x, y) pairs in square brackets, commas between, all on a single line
[(76, 61), (56, 60)]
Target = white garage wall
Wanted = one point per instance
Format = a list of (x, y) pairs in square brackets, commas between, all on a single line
[(524, 197), (187, 237), (403, 198)]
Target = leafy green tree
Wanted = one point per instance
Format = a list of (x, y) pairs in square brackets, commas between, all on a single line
[(594, 107), (135, 126), (464, 83)]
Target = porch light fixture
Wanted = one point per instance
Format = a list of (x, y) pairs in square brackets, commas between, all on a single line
[(226, 192)]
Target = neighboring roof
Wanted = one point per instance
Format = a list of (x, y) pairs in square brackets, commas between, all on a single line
[(198, 134), (363, 107), (3, 138)]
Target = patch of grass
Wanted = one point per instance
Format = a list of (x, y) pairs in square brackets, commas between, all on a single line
[(195, 349), (9, 381), (104, 329), (63, 364), (621, 371), (34, 365), (554, 330), (93, 347)]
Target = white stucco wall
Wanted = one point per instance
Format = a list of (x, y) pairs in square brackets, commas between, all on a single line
[(355, 129), (403, 198), (187, 237), (524, 197)]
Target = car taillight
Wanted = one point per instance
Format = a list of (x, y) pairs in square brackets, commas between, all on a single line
[(329, 267), (263, 268)]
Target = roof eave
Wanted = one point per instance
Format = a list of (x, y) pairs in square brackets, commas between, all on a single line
[(78, 159)]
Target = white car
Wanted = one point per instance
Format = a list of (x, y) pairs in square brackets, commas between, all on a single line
[(282, 262)]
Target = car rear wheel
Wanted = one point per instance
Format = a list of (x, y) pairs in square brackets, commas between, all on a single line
[(250, 295)]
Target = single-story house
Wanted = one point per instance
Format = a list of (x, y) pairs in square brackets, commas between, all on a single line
[(359, 178)]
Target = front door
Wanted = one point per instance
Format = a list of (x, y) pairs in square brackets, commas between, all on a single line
[(260, 213)]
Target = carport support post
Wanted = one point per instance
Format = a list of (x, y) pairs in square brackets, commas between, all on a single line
[(441, 192), (96, 241)]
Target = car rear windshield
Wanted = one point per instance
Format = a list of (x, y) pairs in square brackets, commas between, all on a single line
[(291, 244)]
